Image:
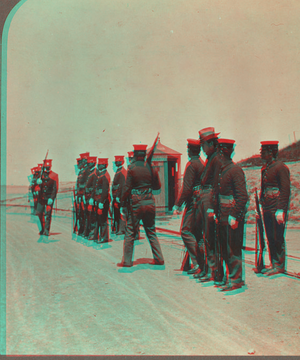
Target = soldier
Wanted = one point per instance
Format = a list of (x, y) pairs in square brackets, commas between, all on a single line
[(47, 189), (274, 197), (191, 227), (100, 201), (232, 200), (139, 184), (209, 142), (80, 190), (36, 172), (88, 191), (117, 189)]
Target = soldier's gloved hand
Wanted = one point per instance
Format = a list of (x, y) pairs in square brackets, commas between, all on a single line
[(50, 201), (39, 181), (122, 212), (117, 200), (232, 222), (100, 205), (279, 215), (83, 199), (176, 210), (91, 202), (211, 214)]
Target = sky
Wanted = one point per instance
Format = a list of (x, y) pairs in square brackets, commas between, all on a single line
[(100, 76)]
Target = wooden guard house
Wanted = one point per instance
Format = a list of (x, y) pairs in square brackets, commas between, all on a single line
[(168, 161)]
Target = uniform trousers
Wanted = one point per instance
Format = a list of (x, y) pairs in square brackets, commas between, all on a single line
[(119, 224), (44, 213), (208, 226), (143, 209), (275, 235), (191, 232), (231, 247), (101, 222)]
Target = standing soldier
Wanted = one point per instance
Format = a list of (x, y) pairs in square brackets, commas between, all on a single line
[(274, 197), (232, 200), (191, 229), (80, 189), (88, 191), (36, 172), (209, 142), (48, 187), (100, 200), (117, 189), (139, 184)]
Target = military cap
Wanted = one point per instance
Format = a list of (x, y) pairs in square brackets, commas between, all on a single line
[(78, 160), (226, 143), (103, 161), (40, 166), (85, 155), (92, 159), (34, 169), (48, 162), (119, 158), (140, 147), (269, 144), (207, 134), (130, 154), (193, 142)]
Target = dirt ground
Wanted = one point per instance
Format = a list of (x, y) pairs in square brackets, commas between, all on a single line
[(66, 296)]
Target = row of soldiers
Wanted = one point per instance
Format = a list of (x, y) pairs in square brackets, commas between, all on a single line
[(132, 201), (43, 187), (215, 198)]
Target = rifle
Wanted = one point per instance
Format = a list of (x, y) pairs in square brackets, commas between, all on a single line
[(259, 241), (219, 259), (42, 172), (75, 214), (151, 150)]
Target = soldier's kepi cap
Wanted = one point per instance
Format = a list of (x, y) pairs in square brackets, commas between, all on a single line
[(85, 155), (193, 142), (103, 161), (40, 166), (34, 169), (270, 144), (130, 154), (92, 159), (119, 158), (207, 134), (140, 147), (48, 162), (228, 143)]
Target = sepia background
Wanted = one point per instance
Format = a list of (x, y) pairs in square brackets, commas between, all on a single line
[(100, 76)]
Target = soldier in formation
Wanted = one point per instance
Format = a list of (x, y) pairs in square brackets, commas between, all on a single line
[(117, 189), (274, 198), (140, 181), (191, 226), (47, 190)]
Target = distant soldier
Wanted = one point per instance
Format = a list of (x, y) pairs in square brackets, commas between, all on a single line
[(36, 172), (88, 191), (82, 178), (274, 197), (139, 184), (100, 201), (47, 189), (209, 142), (232, 200), (117, 189), (191, 226)]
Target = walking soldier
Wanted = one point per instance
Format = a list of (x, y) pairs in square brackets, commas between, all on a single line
[(140, 181), (209, 142), (191, 226), (47, 189), (232, 200), (100, 201), (117, 189), (274, 197)]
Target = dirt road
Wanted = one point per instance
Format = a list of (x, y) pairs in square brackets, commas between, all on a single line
[(67, 296)]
